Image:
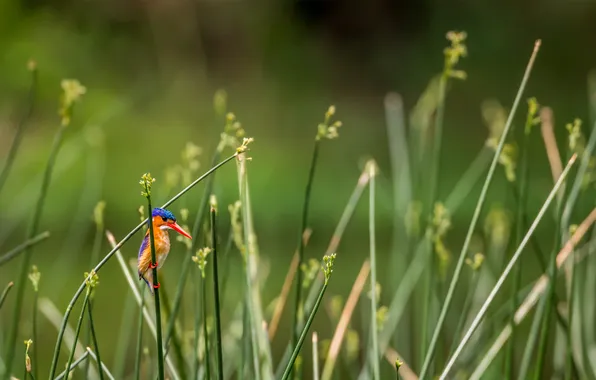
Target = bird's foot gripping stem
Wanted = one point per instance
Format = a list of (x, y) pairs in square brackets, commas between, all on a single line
[(156, 286), (153, 266)]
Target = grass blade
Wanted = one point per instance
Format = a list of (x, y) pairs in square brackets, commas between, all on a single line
[(464, 251), (107, 257), (315, 356), (74, 365), (94, 338), (218, 342), (327, 269), (22, 247), (139, 348), (373, 273), (5, 293), (102, 365), (507, 270)]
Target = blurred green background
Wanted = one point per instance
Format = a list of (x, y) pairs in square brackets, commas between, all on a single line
[(151, 69)]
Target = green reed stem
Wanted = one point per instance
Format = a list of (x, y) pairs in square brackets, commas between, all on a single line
[(16, 142), (482, 312), (545, 316), (25, 264), (22, 247), (94, 257), (187, 261), (73, 366), (94, 338), (298, 309), (113, 252), (519, 226), (218, 341), (139, 348), (311, 317), (197, 325), (102, 366), (466, 308), (373, 274), (476, 215), (5, 293), (205, 330), (160, 357), (572, 289), (78, 328)]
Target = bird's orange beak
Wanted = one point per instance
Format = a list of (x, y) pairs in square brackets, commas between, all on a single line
[(178, 229)]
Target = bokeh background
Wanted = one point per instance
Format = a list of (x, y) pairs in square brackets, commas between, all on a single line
[(151, 69)]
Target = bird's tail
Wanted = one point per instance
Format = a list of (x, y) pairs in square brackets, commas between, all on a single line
[(148, 278)]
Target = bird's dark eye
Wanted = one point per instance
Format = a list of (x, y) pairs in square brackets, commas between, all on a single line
[(164, 218)]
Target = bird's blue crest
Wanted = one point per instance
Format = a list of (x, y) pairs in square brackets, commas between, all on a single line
[(163, 213)]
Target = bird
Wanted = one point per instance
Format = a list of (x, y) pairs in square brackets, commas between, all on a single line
[(163, 220)]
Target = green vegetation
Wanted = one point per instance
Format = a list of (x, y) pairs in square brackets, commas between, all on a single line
[(436, 316)]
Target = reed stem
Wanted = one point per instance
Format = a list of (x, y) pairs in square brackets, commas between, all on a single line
[(78, 328), (94, 338), (5, 293), (218, 341), (22, 247), (373, 274), (139, 348)]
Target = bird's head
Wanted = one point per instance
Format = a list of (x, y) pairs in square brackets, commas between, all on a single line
[(164, 220)]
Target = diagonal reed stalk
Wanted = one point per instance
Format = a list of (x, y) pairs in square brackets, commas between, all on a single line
[(372, 167), (532, 298), (16, 142), (327, 270), (5, 293), (73, 366), (403, 369), (146, 182), (482, 312), (113, 252), (218, 341), (476, 215), (344, 320), (102, 367), (78, 328), (22, 247)]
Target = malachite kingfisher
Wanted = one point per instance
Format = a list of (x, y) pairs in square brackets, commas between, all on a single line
[(163, 220)]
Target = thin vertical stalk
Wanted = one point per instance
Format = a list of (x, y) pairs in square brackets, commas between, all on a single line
[(78, 328), (207, 356), (27, 253), (218, 342), (139, 348), (197, 326), (94, 338), (519, 225), (160, 357), (506, 271), (73, 366), (545, 316), (298, 309), (16, 142), (298, 346), (373, 274), (315, 356), (5, 293), (102, 366), (572, 289), (475, 217), (466, 308), (115, 249)]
